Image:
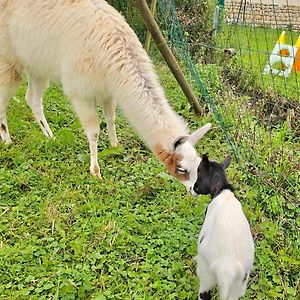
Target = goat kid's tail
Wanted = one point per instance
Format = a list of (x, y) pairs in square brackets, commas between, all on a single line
[(228, 272)]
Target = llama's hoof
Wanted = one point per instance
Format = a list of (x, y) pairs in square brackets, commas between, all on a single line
[(5, 137), (7, 141), (115, 145), (95, 171), (50, 135), (47, 132)]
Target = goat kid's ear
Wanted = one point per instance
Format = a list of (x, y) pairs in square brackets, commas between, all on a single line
[(199, 133), (205, 161), (226, 162)]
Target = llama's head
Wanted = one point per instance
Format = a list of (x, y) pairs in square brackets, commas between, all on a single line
[(182, 159), (211, 177)]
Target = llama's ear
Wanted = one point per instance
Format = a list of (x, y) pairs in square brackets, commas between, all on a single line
[(226, 162), (178, 141), (205, 161), (199, 133)]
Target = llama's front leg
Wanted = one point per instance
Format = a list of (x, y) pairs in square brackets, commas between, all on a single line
[(86, 110), (93, 135), (34, 93), (109, 109)]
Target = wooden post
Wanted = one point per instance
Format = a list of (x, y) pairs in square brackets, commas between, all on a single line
[(148, 37), (167, 54)]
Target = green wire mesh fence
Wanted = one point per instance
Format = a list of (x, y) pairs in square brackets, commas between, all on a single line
[(266, 33), (258, 107)]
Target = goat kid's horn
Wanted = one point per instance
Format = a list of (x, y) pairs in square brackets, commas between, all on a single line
[(199, 133)]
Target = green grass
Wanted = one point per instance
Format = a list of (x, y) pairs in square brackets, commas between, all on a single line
[(252, 46), (66, 235)]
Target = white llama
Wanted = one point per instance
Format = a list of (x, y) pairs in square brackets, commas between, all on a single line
[(89, 48)]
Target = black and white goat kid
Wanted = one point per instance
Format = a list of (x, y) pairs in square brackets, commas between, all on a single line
[(225, 244)]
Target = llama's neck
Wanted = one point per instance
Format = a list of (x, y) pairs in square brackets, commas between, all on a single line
[(154, 121), (140, 95), (149, 112)]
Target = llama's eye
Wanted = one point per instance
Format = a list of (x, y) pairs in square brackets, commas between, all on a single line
[(181, 170)]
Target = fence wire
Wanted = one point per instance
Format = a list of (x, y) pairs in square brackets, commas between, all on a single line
[(258, 111), (253, 27)]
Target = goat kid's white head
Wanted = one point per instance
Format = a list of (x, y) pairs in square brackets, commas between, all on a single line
[(182, 159)]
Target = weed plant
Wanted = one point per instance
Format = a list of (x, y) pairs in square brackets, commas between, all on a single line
[(133, 235)]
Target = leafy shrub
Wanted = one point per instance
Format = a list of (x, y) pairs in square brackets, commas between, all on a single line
[(196, 19)]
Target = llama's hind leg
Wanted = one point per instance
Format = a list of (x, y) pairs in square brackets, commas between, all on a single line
[(109, 109), (4, 99), (34, 93), (9, 82), (89, 119)]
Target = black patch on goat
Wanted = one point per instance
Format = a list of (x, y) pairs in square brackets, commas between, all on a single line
[(205, 296), (211, 177), (201, 239)]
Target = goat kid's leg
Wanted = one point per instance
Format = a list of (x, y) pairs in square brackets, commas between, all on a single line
[(34, 93), (238, 289), (89, 119), (204, 295), (9, 82), (231, 297), (207, 280), (109, 109)]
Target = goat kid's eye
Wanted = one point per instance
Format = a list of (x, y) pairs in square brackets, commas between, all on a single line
[(181, 170)]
